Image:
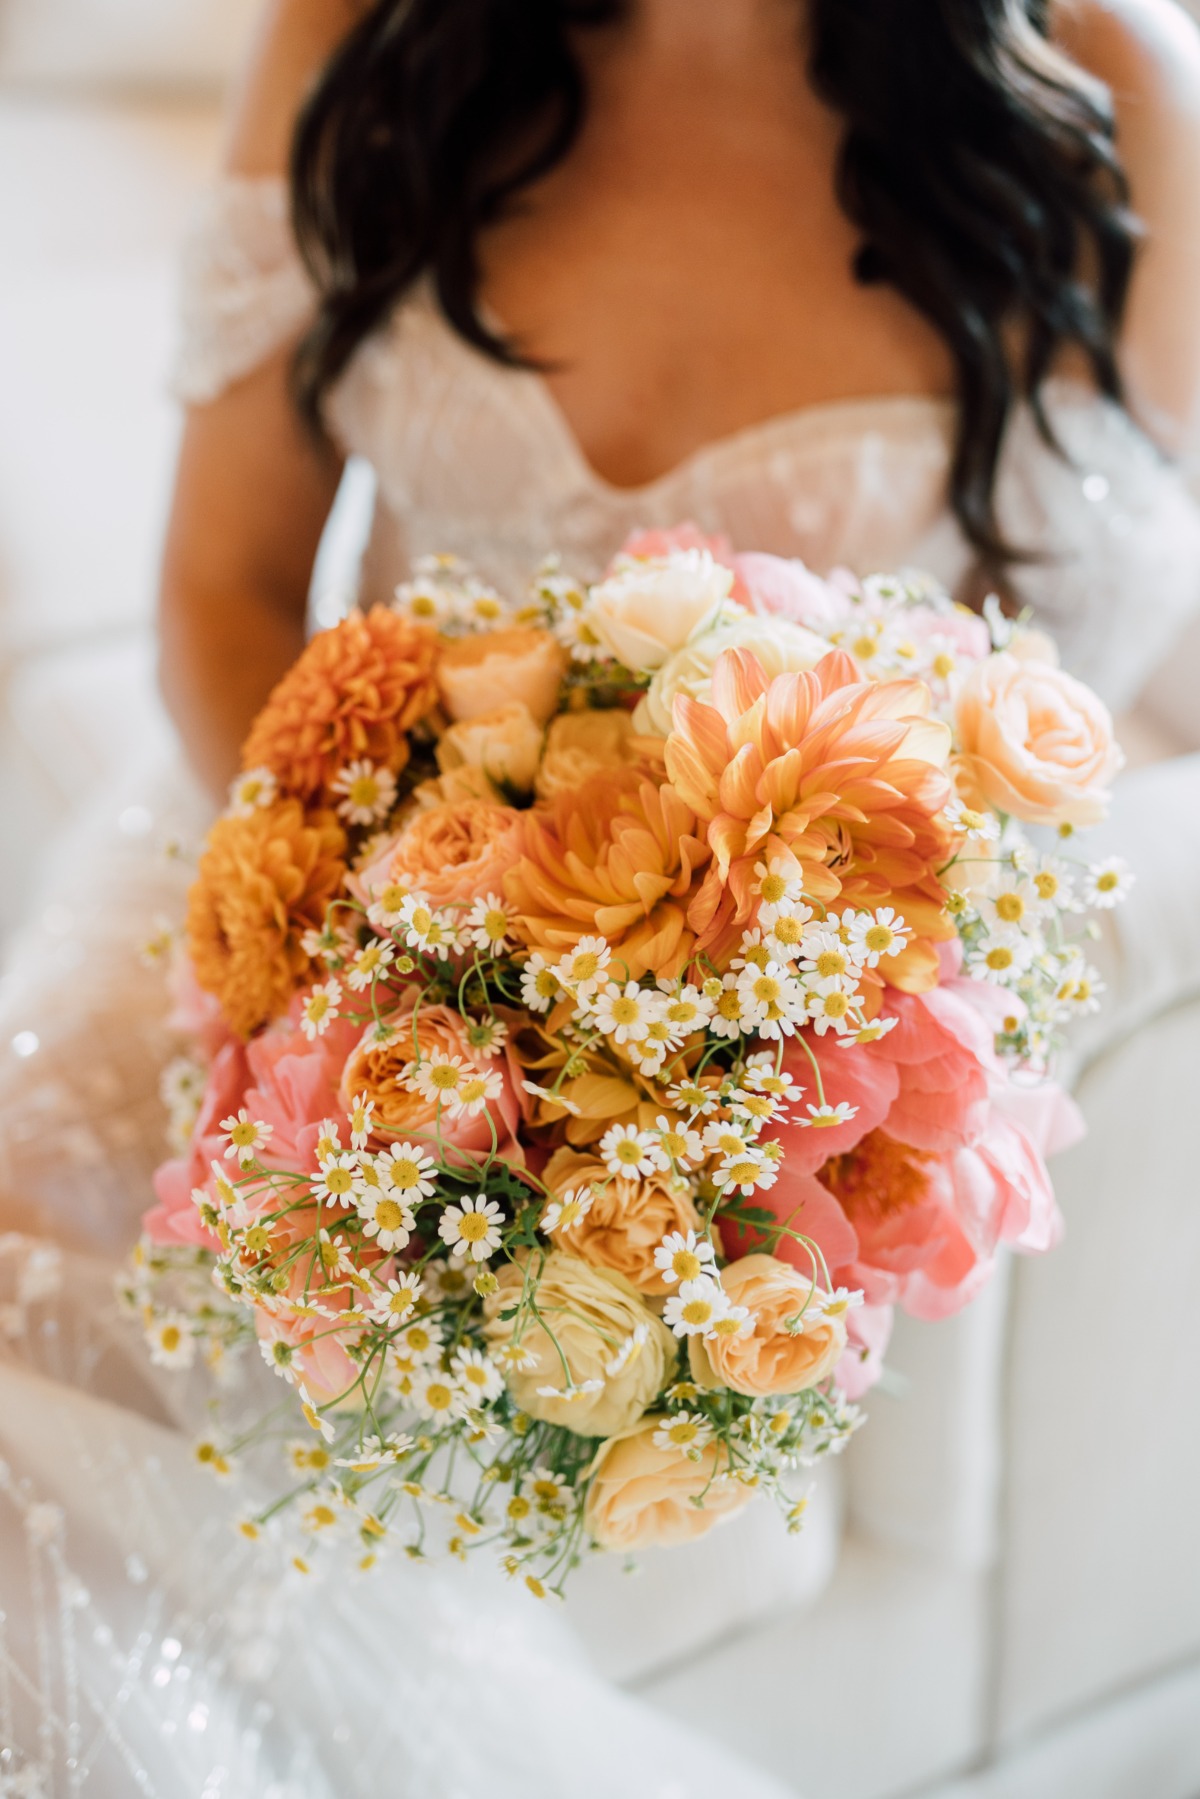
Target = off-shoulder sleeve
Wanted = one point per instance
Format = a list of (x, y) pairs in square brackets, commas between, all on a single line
[(243, 293)]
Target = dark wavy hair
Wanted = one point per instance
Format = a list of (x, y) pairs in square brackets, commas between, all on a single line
[(978, 163)]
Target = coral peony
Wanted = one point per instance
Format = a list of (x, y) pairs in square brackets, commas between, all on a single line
[(620, 857), (356, 691), (265, 879), (842, 778)]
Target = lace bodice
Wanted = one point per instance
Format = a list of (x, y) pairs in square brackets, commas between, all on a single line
[(478, 459)]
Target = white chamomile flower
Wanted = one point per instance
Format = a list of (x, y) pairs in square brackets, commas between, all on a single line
[(749, 1170), (758, 1109), (486, 1036), (515, 1358), (1054, 886), (631, 1154), (550, 1099), (254, 788), (627, 1351), (438, 1397), (1079, 988), (762, 1075), (625, 1013), (421, 1342), (869, 1032), (1001, 958), (366, 792), (475, 1092), (779, 885), (975, 825), (831, 1011), (584, 969), (683, 1146), (376, 1452), (540, 985), (246, 1136), (834, 1305), (1106, 883), (386, 1218), (566, 1209), (477, 1375), (427, 928), (368, 964), (386, 908), (784, 935), (752, 953), (726, 1020), (488, 925), (826, 1117), (874, 935), (312, 1416), (320, 1008), (171, 1342), (338, 1180), (684, 1010), (396, 1301), (690, 1096), (683, 1256), (686, 1432), (830, 965), (773, 1001), (329, 1139), (575, 1390), (693, 1311), (407, 1171), (1013, 905), (471, 1228), (425, 599), (360, 1118), (435, 1078)]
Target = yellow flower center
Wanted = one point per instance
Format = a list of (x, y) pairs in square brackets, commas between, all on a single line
[(629, 1151), (757, 956), (787, 930), (388, 1215), (773, 889), (943, 665), (879, 939), (405, 1174), (317, 1007), (444, 1076), (1010, 907), (767, 990), (626, 1011), (393, 896), (835, 1005), (438, 1396), (584, 966), (243, 1134), (741, 1174), (364, 791), (495, 924), (422, 918), (831, 962), (1106, 882), (170, 1337), (339, 1180), (686, 1265), (518, 1507), (999, 957), (1046, 884), (683, 1431), (474, 1227), (727, 1327), (697, 1311), (729, 1005), (545, 984)]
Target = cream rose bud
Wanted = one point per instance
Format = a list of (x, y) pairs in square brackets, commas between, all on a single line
[(641, 1496), (504, 744), (1035, 742), (650, 607), (592, 1314), (782, 647), (477, 673), (770, 1359), (582, 744)]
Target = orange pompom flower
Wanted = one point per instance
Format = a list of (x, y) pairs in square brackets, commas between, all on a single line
[(356, 691), (841, 778), (265, 879), (619, 857)]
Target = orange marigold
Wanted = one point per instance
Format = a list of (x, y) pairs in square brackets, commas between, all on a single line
[(264, 880), (842, 778), (620, 856), (357, 690)]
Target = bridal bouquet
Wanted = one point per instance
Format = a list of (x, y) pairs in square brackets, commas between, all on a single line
[(608, 1007)]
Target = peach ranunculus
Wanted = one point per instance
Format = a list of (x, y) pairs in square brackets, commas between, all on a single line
[(452, 853), (375, 1068), (627, 1220), (582, 744), (770, 1358), (649, 607), (620, 857), (265, 879), (585, 1315), (1036, 742), (643, 1497), (523, 663), (504, 744), (356, 691), (841, 778), (780, 646)]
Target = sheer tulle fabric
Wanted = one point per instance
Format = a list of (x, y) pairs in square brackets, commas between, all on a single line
[(145, 1646)]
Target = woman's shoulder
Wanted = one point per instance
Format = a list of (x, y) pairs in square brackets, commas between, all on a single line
[(1146, 51), (294, 41)]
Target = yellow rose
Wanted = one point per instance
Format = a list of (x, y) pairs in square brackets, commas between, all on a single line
[(504, 744), (627, 1220), (651, 606), (770, 1358), (525, 664), (1035, 742), (582, 744), (592, 1313), (782, 647), (641, 1496)]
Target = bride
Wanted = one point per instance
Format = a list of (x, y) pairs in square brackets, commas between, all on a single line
[(848, 280)]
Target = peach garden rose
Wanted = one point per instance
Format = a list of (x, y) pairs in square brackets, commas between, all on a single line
[(642, 1496), (789, 1348), (1037, 743)]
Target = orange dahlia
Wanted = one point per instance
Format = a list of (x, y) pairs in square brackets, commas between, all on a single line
[(355, 692), (619, 857), (841, 778), (264, 880)]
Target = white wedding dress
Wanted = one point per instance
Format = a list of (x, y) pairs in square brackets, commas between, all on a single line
[(144, 1646)]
